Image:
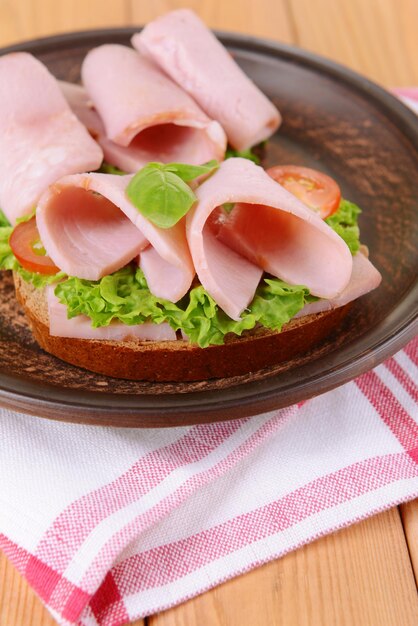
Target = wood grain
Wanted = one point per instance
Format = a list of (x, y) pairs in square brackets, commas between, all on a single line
[(377, 38), (25, 19), (409, 514), (19, 605), (359, 576), (265, 19)]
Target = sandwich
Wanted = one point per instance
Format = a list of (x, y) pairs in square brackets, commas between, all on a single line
[(140, 246), (234, 317)]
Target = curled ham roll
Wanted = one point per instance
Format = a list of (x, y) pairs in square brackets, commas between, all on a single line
[(268, 229), (364, 278), (41, 139), (144, 111), (130, 158), (90, 229), (191, 55), (82, 106)]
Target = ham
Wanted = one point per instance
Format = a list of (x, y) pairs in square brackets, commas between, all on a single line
[(364, 278), (268, 229), (181, 44), (145, 113), (130, 159), (82, 106), (89, 228), (41, 140), (80, 327)]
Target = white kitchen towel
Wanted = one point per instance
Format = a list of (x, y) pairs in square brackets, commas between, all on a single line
[(109, 525)]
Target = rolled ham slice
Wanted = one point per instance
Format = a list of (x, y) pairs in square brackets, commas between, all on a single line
[(130, 159), (41, 140), (364, 278), (90, 229), (80, 327), (191, 55), (82, 106), (268, 229), (144, 111)]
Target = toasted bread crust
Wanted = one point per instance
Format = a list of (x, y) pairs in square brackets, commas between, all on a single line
[(177, 361)]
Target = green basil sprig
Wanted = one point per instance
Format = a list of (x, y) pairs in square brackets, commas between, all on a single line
[(160, 191)]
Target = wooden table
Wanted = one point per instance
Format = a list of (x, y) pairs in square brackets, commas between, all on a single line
[(360, 576)]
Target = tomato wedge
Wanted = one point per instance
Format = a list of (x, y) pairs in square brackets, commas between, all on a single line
[(315, 189), (27, 247)]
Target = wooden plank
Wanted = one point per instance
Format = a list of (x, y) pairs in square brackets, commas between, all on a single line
[(25, 19), (360, 575), (378, 38), (409, 515), (19, 605), (262, 18)]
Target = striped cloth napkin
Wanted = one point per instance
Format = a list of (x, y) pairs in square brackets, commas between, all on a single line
[(109, 525)]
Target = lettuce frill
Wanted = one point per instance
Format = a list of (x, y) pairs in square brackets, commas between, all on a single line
[(124, 295)]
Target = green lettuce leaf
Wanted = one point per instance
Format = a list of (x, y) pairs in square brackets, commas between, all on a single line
[(344, 222), (204, 322), (274, 304), (7, 258), (27, 217), (244, 154), (3, 219), (107, 168), (124, 296), (39, 280)]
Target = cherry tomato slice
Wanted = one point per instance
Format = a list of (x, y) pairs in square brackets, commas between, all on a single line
[(315, 189), (27, 248)]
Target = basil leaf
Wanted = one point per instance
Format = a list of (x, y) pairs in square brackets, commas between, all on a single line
[(189, 172), (160, 195)]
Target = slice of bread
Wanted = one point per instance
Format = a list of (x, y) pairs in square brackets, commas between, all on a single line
[(177, 360)]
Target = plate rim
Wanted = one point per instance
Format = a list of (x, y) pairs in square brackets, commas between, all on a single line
[(92, 407)]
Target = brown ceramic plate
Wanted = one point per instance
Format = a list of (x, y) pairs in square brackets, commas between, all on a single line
[(334, 120)]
